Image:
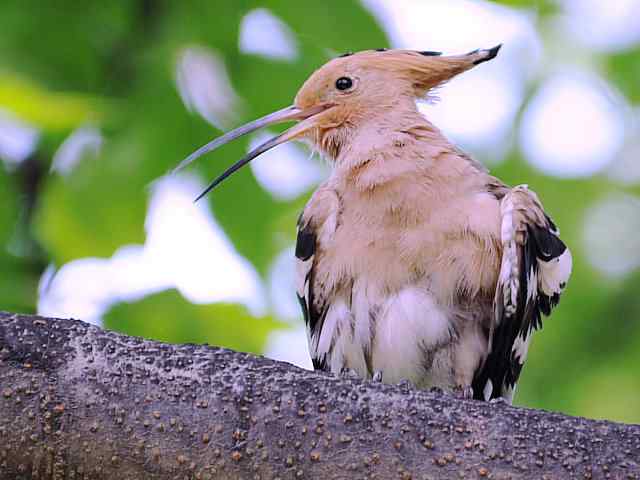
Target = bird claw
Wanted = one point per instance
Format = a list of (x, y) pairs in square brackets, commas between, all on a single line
[(499, 401), (465, 392), (377, 376), (405, 384)]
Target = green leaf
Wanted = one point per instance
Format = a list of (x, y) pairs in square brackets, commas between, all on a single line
[(169, 317)]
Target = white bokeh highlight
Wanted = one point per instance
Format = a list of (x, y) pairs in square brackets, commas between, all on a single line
[(18, 139), (205, 87), (282, 287), (611, 240), (290, 346), (573, 126), (82, 143), (285, 171), (489, 117), (625, 168), (602, 25), (265, 35), (185, 249)]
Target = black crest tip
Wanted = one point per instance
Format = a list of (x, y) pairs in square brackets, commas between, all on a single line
[(490, 53)]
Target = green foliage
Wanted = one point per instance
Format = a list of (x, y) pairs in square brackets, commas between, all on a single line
[(17, 282), (624, 71), (541, 7), (112, 65), (9, 210), (169, 317)]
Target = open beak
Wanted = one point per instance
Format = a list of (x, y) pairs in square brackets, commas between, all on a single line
[(291, 113)]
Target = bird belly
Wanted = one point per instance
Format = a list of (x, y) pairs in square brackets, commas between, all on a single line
[(413, 340), (404, 335)]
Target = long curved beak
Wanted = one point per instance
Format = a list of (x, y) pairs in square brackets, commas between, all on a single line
[(291, 113)]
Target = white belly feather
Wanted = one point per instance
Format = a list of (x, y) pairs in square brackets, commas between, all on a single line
[(410, 334)]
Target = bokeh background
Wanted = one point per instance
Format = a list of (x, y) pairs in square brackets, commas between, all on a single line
[(99, 100)]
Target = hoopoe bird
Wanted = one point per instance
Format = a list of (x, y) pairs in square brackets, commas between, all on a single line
[(413, 262)]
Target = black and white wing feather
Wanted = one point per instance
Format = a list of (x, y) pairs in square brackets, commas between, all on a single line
[(535, 269), (313, 309)]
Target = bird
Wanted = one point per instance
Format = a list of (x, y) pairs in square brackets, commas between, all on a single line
[(413, 263)]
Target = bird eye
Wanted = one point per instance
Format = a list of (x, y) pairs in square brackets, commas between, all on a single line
[(344, 83)]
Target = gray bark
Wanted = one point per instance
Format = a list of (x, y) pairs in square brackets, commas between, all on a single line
[(79, 402)]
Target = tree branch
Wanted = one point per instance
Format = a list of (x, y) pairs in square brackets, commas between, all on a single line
[(78, 402)]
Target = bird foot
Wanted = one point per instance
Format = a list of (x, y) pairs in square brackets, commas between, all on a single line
[(377, 376), (499, 400), (463, 391), (406, 384), (349, 373)]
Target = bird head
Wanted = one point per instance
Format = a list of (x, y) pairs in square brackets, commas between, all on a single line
[(347, 93)]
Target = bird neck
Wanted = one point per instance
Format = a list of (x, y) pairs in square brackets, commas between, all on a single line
[(402, 148)]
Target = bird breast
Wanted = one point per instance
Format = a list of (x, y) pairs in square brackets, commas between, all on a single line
[(445, 246)]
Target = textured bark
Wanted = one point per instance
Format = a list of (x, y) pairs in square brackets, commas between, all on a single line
[(78, 402)]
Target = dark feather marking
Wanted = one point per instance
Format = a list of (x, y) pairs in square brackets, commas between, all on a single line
[(503, 366), (429, 53), (346, 54), (306, 243), (548, 245), (305, 310), (491, 54), (320, 363), (316, 316)]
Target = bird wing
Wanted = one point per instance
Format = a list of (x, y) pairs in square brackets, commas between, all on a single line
[(313, 310), (534, 271)]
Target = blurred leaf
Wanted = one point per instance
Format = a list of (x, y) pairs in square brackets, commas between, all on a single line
[(45, 109), (169, 317), (543, 8), (609, 392), (17, 285), (66, 45), (9, 210), (95, 210), (624, 71), (336, 25)]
